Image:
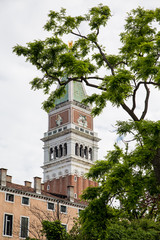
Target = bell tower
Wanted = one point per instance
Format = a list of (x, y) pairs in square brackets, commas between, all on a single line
[(70, 144)]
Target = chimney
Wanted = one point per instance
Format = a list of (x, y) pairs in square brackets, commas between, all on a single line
[(70, 193), (42, 186), (37, 185), (3, 176), (9, 178), (27, 184)]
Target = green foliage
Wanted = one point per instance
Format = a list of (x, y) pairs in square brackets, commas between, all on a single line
[(127, 187), (28, 238), (119, 229), (137, 62), (76, 231), (94, 219), (98, 16), (146, 133), (141, 43), (53, 96), (91, 193), (136, 230), (54, 230)]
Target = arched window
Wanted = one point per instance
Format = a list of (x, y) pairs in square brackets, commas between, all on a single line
[(81, 151), (65, 149), (55, 152), (86, 152), (51, 154), (90, 154), (76, 149), (60, 151)]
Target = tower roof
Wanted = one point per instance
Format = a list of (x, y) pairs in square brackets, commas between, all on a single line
[(75, 91), (78, 91)]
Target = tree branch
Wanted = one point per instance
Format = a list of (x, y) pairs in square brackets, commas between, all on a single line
[(134, 97), (129, 111), (97, 32), (150, 83), (78, 31), (104, 58), (76, 79), (146, 102), (92, 85), (121, 62), (79, 35), (99, 48)]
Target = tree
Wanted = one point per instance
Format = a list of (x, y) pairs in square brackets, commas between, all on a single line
[(54, 230), (136, 66), (114, 228), (136, 230), (126, 178), (130, 175)]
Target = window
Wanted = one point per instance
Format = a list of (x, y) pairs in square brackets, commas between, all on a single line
[(9, 197), (8, 224), (51, 154), (65, 226), (56, 152), (48, 187), (25, 200), (81, 129), (63, 209), (86, 152), (50, 206), (90, 154), (75, 178), (76, 149), (75, 195), (60, 151), (81, 151), (24, 227), (65, 149)]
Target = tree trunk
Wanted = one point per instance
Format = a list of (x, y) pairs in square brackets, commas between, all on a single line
[(156, 165)]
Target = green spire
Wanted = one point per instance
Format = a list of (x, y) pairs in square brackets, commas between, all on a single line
[(65, 97), (78, 92), (74, 92)]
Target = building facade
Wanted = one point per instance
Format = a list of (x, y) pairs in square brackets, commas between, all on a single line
[(70, 149), (22, 208)]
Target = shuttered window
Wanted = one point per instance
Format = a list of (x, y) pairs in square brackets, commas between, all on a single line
[(24, 227)]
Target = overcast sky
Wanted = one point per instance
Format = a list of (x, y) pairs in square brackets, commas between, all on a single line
[(22, 121)]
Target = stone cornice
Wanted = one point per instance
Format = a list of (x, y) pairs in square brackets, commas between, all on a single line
[(68, 131), (41, 196), (60, 105), (69, 159)]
